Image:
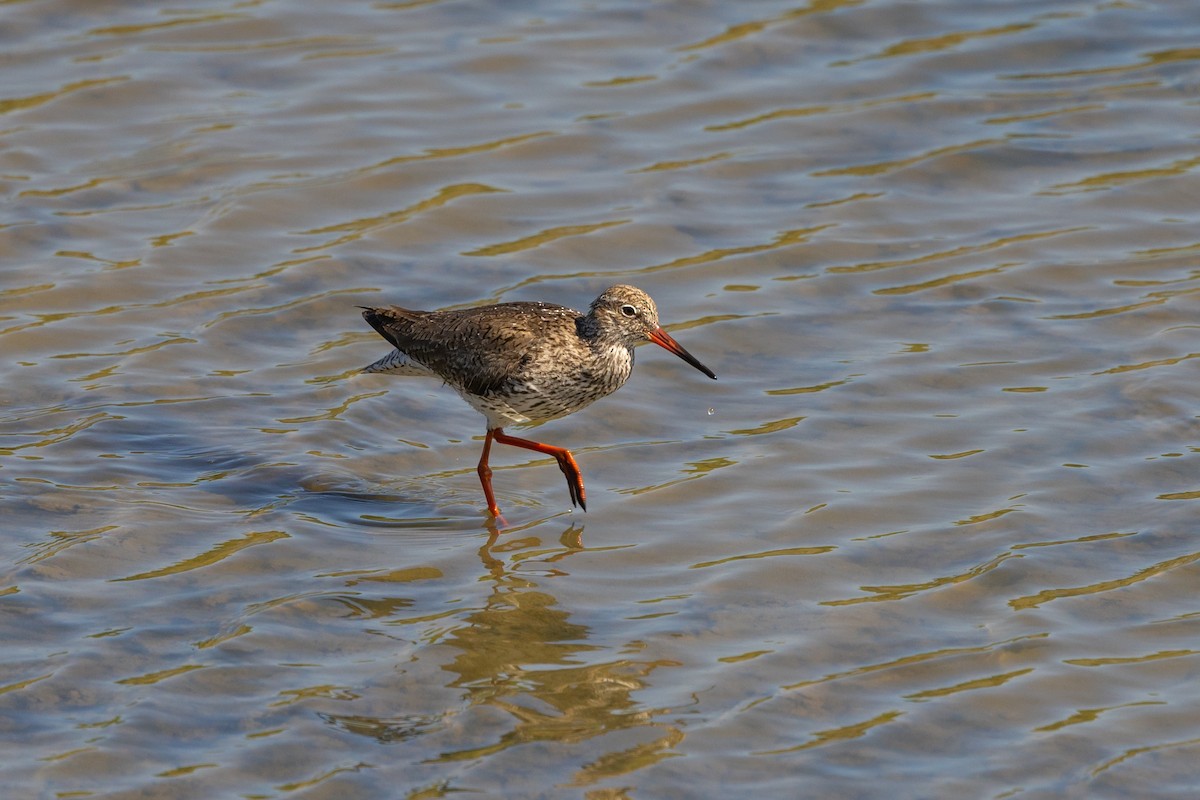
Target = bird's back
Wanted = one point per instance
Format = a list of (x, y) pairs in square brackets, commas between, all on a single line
[(513, 362), (476, 349)]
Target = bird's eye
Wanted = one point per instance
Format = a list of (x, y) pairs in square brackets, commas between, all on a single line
[(628, 310)]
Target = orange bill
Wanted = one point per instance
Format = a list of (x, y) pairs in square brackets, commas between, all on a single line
[(664, 340)]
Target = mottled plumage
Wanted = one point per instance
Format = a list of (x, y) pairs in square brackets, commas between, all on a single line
[(518, 363)]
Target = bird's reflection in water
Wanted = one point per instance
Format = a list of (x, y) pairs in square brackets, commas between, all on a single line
[(520, 653)]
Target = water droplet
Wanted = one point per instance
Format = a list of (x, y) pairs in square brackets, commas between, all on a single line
[(712, 411)]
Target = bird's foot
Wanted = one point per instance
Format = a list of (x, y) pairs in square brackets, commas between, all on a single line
[(566, 462)]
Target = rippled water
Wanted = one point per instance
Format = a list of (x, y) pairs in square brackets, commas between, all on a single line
[(930, 534)]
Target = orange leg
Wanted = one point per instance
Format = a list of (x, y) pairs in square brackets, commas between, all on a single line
[(485, 475), (566, 462)]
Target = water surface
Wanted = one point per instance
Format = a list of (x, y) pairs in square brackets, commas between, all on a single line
[(928, 536)]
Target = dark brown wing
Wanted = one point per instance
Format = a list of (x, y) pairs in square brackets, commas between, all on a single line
[(390, 322), (478, 349)]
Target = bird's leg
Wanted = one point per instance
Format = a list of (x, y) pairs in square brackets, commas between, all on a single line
[(485, 474), (566, 462)]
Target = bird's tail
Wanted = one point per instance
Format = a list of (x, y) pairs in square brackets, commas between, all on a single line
[(396, 363)]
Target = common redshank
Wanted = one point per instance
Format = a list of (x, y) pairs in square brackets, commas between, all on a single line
[(522, 363)]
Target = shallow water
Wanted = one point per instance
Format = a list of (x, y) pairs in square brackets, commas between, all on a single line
[(928, 536)]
